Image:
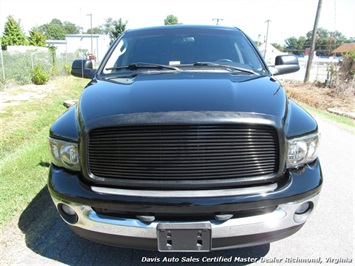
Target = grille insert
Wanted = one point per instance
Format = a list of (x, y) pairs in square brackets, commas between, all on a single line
[(183, 152)]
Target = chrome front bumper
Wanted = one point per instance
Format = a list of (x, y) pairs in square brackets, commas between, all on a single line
[(284, 217)]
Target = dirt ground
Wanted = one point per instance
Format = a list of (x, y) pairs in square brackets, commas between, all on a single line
[(321, 98), (15, 95)]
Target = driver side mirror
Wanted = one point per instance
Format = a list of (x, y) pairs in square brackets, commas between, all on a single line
[(285, 64), (83, 68)]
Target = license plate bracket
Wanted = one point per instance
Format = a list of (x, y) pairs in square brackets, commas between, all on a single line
[(187, 237)]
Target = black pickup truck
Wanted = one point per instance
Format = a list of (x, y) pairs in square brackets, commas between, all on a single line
[(183, 140)]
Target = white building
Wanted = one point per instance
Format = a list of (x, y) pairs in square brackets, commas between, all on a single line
[(83, 44), (271, 53)]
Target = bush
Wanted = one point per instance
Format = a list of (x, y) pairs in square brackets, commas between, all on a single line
[(347, 67), (39, 74), (345, 84)]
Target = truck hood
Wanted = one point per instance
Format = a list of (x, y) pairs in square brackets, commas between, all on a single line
[(191, 92)]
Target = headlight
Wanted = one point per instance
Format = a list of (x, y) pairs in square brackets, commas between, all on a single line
[(64, 154), (302, 150)]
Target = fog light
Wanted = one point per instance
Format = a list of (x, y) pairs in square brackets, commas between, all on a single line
[(68, 213), (68, 210), (303, 208), (303, 211)]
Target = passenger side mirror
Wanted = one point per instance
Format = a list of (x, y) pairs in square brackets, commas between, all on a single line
[(83, 68), (285, 64)]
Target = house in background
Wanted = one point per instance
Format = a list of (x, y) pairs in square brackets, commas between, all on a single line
[(344, 48), (82, 44), (271, 53)]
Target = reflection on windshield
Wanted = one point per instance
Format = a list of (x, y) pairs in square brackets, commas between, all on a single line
[(118, 52), (182, 49)]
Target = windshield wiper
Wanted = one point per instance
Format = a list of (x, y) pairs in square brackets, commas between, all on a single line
[(136, 66), (211, 64)]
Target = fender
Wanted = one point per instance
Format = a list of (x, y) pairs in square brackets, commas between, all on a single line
[(66, 126), (298, 121)]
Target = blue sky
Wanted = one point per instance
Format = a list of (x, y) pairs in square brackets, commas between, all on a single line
[(288, 17)]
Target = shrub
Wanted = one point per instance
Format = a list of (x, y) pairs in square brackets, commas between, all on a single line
[(347, 67), (345, 84), (39, 74)]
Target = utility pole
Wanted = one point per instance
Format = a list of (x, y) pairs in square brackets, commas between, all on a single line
[(313, 42), (266, 36), (92, 52), (217, 19)]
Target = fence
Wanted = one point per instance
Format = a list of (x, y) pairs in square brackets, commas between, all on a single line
[(16, 67), (320, 70)]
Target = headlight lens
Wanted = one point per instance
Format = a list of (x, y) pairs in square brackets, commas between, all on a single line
[(64, 154), (302, 150)]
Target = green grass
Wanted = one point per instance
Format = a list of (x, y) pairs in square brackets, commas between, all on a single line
[(24, 157), (342, 121)]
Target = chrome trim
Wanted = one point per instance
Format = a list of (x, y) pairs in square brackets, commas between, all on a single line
[(185, 193), (280, 218)]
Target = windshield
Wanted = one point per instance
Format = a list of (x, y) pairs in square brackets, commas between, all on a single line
[(186, 48)]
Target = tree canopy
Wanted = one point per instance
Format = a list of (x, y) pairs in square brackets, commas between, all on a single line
[(56, 30), (113, 28), (13, 34), (326, 42), (171, 20), (116, 27), (37, 38)]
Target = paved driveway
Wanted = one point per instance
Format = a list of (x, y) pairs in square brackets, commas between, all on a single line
[(40, 237)]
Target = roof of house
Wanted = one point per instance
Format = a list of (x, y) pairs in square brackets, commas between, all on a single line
[(344, 48)]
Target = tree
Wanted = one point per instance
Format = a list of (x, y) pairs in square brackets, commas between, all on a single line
[(71, 28), (295, 45), (37, 38), (56, 30), (95, 30), (114, 28), (278, 46), (53, 30), (326, 41), (171, 20), (13, 34)]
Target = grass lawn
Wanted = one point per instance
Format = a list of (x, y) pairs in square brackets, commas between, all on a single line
[(24, 156), (343, 122)]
